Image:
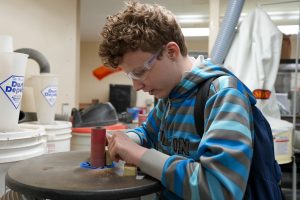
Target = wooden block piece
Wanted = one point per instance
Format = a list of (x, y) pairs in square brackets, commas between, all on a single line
[(108, 160), (130, 170)]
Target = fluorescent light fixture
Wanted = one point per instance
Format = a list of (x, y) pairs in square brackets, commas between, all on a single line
[(204, 32), (195, 32), (289, 29), (189, 19), (275, 16), (291, 15)]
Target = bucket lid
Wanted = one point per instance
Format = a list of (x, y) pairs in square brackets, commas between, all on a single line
[(279, 125), (23, 131), (87, 130), (57, 125), (59, 132)]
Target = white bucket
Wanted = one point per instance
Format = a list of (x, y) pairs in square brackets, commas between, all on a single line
[(282, 138), (45, 94), (59, 141), (58, 136), (29, 141), (81, 141), (81, 137)]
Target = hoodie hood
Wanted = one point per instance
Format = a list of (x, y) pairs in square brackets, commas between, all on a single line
[(201, 71)]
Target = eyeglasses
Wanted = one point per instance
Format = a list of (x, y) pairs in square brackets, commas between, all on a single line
[(141, 72)]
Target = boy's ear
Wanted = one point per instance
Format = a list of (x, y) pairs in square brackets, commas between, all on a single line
[(172, 50)]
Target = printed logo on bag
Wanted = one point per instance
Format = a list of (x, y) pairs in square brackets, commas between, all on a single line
[(13, 89), (50, 94)]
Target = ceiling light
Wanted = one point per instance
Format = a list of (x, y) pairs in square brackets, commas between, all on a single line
[(289, 29), (188, 19), (195, 32), (204, 32)]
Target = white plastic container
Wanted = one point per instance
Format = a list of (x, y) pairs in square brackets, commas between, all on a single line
[(45, 93), (59, 140), (12, 72), (81, 141), (282, 138), (58, 136), (81, 137), (29, 141)]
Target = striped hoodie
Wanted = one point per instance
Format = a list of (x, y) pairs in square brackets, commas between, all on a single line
[(215, 166)]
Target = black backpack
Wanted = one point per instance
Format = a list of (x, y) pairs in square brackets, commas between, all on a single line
[(265, 174)]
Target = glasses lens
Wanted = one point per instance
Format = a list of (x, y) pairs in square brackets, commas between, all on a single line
[(141, 73), (131, 75)]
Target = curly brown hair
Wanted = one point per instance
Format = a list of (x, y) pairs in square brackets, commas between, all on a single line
[(138, 27)]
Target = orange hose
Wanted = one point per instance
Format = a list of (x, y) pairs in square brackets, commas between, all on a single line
[(104, 71)]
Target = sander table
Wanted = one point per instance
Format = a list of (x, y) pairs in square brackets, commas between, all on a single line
[(59, 176)]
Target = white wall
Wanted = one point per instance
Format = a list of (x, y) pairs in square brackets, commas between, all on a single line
[(51, 27)]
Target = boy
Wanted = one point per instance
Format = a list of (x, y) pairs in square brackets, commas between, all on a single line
[(147, 43)]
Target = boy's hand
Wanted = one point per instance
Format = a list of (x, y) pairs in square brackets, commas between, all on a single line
[(120, 146)]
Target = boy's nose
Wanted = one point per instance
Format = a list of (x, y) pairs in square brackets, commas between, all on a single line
[(138, 85)]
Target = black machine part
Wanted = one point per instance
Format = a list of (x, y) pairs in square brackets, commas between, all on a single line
[(100, 114)]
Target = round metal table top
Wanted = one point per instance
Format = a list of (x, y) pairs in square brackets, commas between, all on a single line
[(59, 176)]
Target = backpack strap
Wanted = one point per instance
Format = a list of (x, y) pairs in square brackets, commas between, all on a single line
[(201, 98)]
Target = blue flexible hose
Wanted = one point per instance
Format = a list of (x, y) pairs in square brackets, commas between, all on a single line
[(227, 31)]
